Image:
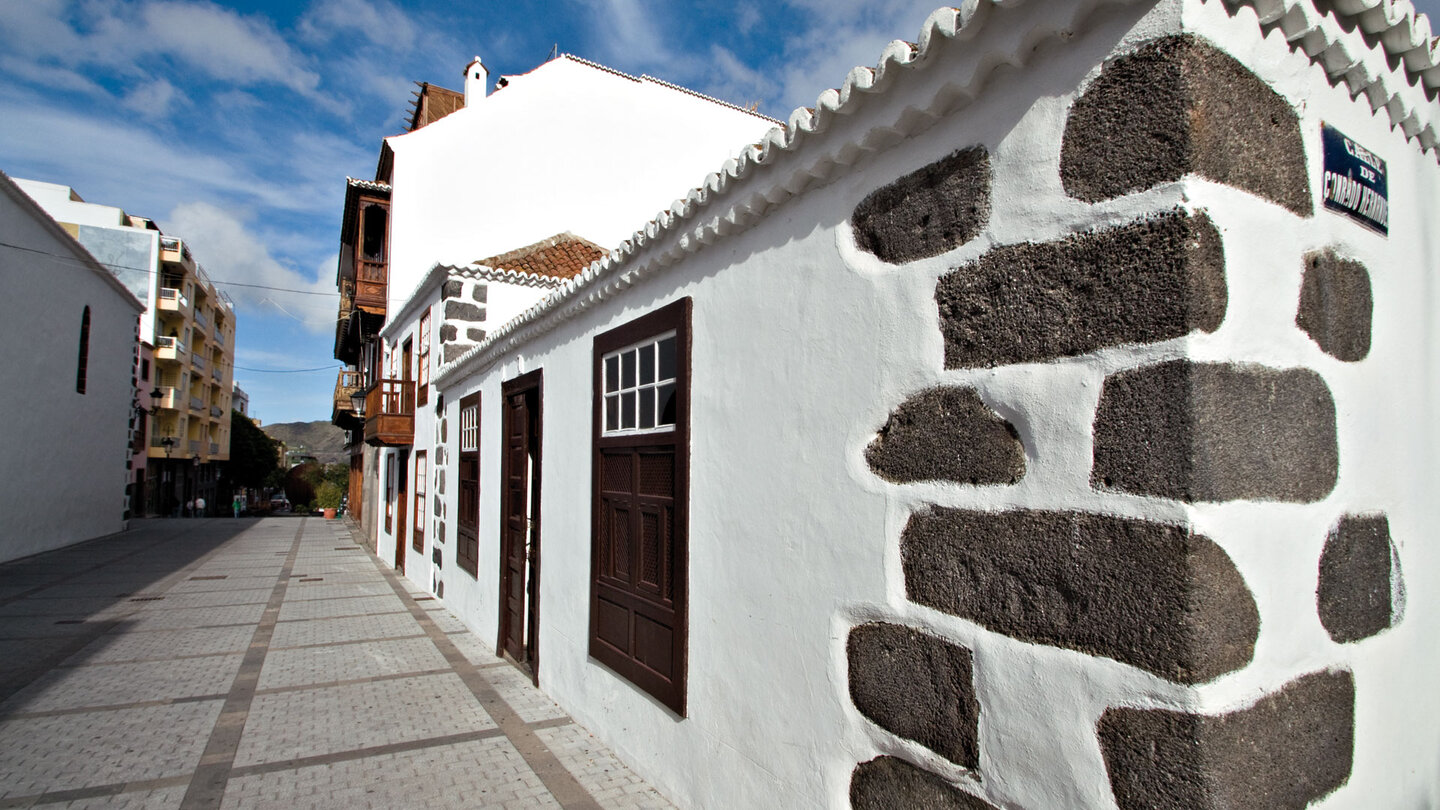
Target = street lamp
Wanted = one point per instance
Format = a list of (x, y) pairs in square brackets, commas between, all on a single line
[(357, 403)]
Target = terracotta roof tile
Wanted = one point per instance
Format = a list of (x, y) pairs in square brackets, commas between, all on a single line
[(562, 256)]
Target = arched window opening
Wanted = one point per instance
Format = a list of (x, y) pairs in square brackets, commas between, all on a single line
[(84, 359)]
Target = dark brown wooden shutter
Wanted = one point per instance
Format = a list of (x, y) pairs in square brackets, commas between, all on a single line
[(467, 523), (639, 552)]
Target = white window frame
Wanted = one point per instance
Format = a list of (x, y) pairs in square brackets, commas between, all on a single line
[(613, 398)]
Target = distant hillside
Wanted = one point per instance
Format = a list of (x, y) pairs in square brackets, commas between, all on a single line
[(322, 440)]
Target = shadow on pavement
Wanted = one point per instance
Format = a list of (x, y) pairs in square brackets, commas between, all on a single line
[(55, 604)]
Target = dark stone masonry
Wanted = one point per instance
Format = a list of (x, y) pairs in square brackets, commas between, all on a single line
[(452, 289), (461, 311), (1151, 595), (1356, 578), (929, 211), (947, 434), (1286, 751), (887, 783), (1216, 432), (1336, 305), (1179, 105), (1147, 281), (481, 292), (448, 332), (916, 686)]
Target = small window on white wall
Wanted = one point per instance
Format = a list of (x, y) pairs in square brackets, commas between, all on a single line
[(640, 387), (469, 435)]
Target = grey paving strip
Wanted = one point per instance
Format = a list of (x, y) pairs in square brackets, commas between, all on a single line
[(207, 783), (96, 792), (364, 753), (113, 707), (563, 786), (554, 722), (301, 687), (342, 615), (156, 660), (345, 643)]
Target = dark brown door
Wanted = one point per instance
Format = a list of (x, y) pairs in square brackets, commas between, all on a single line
[(520, 523), (402, 495), (467, 546)]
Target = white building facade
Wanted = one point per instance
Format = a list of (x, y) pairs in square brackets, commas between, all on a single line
[(73, 329), (1053, 435)]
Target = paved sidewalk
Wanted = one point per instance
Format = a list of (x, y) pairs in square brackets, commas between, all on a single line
[(267, 663)]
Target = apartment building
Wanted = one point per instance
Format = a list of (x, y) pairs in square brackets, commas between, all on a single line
[(190, 326)]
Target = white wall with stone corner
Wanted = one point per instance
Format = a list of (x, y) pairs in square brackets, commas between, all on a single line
[(1195, 525), (555, 150), (64, 453)]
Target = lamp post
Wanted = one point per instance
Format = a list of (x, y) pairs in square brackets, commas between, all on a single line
[(195, 486)]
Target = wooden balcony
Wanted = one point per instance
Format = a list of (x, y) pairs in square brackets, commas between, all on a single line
[(390, 414), (343, 415)]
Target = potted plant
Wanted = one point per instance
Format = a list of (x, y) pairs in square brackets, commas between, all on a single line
[(327, 497)]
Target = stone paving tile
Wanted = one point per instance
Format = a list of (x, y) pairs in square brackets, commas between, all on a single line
[(530, 703), (479, 774), (475, 651), (446, 621), (330, 608), (344, 718), (613, 785), (182, 618), (301, 591), (72, 606), (349, 628), (193, 585), (364, 659), (65, 752), (161, 799), (249, 596), (119, 684), (163, 644)]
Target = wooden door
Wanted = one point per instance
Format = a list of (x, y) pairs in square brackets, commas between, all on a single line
[(520, 523), (402, 495)]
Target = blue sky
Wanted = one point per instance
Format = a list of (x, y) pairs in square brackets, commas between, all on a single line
[(233, 125)]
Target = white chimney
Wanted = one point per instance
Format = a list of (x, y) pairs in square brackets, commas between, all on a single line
[(476, 78)]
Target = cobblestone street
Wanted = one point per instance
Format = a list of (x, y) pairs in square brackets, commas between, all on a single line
[(267, 663)]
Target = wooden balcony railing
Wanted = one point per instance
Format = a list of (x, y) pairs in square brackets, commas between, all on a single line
[(390, 413)]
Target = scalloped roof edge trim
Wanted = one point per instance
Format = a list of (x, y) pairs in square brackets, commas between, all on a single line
[(1321, 37)]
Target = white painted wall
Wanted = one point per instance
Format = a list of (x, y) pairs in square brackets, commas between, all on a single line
[(803, 346), (566, 146), (63, 453)]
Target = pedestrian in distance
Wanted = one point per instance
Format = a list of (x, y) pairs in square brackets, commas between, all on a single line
[(190, 507), (199, 507), (237, 505)]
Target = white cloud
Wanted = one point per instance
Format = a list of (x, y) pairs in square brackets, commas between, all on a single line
[(224, 244), (155, 100), (843, 34), (380, 22), (738, 82)]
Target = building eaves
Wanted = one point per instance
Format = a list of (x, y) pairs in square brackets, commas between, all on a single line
[(78, 252), (561, 256), (1334, 40), (428, 284), (367, 185), (669, 85)]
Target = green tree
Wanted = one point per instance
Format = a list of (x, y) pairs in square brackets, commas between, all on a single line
[(328, 495), (253, 456), (300, 484)]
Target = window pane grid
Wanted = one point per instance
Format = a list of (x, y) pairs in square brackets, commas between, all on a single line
[(468, 433), (640, 387)]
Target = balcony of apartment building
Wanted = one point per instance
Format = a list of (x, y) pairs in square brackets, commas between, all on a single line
[(172, 299), (363, 273), (174, 251), (170, 349), (390, 413), (200, 323), (197, 359), (348, 394)]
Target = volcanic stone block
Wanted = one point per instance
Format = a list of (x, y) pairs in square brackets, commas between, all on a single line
[(453, 351), (947, 434), (1286, 751), (475, 334), (916, 686), (887, 783), (480, 292), (461, 311), (448, 332), (929, 211), (1179, 105), (1216, 432), (1357, 578), (1336, 305), (1150, 280), (451, 289), (1154, 596)]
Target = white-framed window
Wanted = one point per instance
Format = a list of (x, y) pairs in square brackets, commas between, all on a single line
[(469, 430), (640, 387)]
